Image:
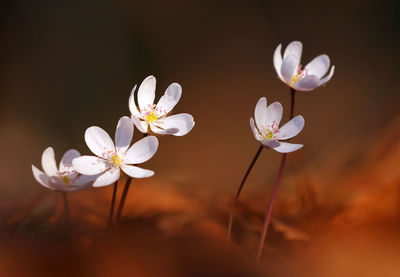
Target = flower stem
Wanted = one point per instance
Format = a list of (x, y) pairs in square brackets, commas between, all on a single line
[(239, 190), (275, 191), (66, 206), (114, 196)]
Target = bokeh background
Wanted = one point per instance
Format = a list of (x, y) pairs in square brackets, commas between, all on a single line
[(68, 65)]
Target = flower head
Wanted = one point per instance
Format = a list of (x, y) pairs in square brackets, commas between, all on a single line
[(156, 116), (266, 128), (111, 158), (291, 72), (63, 178)]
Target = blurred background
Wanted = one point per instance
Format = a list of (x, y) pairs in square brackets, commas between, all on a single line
[(68, 65)]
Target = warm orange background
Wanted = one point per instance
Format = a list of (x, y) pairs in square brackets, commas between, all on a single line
[(67, 66)]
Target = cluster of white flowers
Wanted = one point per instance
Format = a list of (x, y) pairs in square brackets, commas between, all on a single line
[(78, 172)]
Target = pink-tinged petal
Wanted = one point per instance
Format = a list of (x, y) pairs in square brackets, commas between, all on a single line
[(183, 122), (42, 178), (270, 143), (49, 162), (260, 113), (327, 78), (274, 114), (90, 165), (289, 66), (147, 92), (160, 131), (318, 66), (98, 141), (132, 104), (307, 83), (123, 134), (285, 147), (291, 128), (107, 178), (171, 97), (136, 172), (142, 150), (277, 60), (66, 161), (141, 125), (256, 134), (294, 48)]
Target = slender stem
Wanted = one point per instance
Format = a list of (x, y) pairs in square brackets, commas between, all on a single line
[(114, 196), (275, 191), (66, 206), (269, 211), (123, 198), (240, 189)]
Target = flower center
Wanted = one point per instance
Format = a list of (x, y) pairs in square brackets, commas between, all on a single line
[(116, 160), (270, 131), (152, 113), (67, 175), (300, 74)]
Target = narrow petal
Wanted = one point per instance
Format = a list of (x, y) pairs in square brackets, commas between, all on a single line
[(327, 78), (183, 121), (256, 134), (307, 83), (90, 165), (142, 150), (260, 113), (66, 161), (49, 162), (277, 59), (294, 48), (136, 172), (147, 92), (98, 141), (132, 104), (270, 143), (172, 95), (285, 147), (160, 131), (124, 134), (140, 124), (291, 128), (42, 178), (318, 66), (274, 114), (107, 178), (289, 65)]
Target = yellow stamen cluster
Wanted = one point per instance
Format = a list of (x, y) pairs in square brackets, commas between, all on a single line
[(151, 117), (65, 179), (116, 160)]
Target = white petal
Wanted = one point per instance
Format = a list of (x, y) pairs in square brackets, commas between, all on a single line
[(285, 147), (82, 182), (327, 78), (256, 134), (141, 125), (42, 178), (147, 92), (318, 66), (107, 178), (142, 150), (66, 161), (136, 172), (132, 104), (274, 114), (124, 134), (172, 95), (270, 143), (260, 113), (294, 48), (160, 131), (277, 60), (291, 128), (90, 165), (289, 66), (307, 83), (98, 141), (183, 121), (49, 162)]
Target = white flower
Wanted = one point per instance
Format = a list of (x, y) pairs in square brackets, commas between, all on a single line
[(291, 72), (111, 158), (65, 178), (267, 129), (156, 116)]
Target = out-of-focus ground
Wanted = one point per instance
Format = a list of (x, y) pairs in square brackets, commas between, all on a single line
[(67, 66)]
